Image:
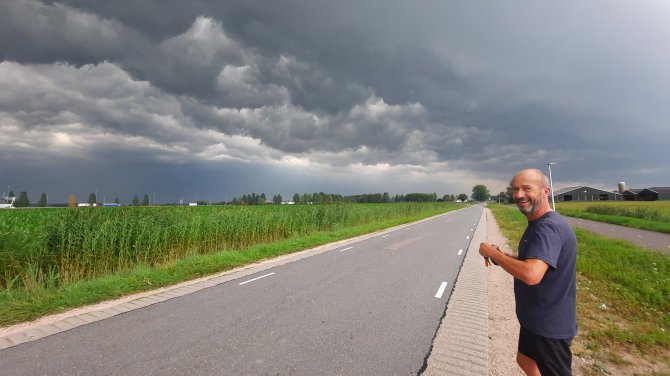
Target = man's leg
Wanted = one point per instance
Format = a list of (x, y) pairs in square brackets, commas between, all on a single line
[(551, 356), (527, 364)]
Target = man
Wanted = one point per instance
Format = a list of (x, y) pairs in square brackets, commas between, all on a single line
[(544, 279)]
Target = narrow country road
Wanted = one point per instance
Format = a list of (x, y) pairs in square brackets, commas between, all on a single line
[(369, 307)]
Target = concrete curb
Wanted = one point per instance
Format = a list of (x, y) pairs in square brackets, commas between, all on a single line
[(461, 345)]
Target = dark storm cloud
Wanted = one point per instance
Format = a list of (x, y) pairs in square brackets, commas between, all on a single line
[(400, 91)]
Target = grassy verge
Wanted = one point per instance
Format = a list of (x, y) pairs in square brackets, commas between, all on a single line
[(623, 300), (19, 305)]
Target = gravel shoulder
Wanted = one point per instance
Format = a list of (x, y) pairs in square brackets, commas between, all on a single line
[(503, 325)]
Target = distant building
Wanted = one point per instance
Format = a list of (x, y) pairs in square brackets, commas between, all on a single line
[(630, 194), (646, 194), (654, 193), (585, 193)]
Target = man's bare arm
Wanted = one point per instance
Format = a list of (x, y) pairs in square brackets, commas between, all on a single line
[(530, 271)]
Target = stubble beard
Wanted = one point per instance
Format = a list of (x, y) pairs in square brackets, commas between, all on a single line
[(532, 207)]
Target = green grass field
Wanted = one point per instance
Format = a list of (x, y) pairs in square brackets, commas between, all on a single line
[(632, 283), (646, 215), (55, 259)]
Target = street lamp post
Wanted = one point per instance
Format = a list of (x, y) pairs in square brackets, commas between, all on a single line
[(551, 186)]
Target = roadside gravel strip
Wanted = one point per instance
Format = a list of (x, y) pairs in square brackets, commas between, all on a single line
[(478, 335), (461, 344)]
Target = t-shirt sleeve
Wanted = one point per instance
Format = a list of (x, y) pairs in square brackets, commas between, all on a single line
[(545, 245)]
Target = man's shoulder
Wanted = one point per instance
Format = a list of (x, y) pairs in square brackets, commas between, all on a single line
[(554, 222), (553, 217)]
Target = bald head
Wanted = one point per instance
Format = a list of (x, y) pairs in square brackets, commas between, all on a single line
[(533, 175)]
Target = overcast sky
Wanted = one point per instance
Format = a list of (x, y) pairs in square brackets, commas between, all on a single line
[(214, 99)]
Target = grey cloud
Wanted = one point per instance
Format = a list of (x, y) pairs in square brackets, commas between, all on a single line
[(31, 31), (464, 88)]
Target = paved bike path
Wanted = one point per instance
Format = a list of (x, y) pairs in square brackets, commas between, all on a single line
[(656, 241)]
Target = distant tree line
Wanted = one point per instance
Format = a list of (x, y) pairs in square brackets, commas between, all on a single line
[(416, 197), (479, 193), (251, 199)]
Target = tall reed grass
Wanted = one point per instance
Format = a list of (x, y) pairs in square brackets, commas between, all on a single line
[(49, 248), (641, 212)]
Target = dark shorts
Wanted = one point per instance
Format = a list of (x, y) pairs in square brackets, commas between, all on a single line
[(553, 356)]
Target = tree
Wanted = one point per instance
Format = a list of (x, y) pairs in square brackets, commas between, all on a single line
[(503, 197), (510, 194), (480, 193), (71, 201), (145, 200), (136, 201), (92, 199), (116, 201), (42, 203), (22, 201), (276, 199), (463, 197)]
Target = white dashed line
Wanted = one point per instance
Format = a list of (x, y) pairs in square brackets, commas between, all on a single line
[(460, 251), (440, 291), (383, 236), (255, 279), (467, 237), (344, 249)]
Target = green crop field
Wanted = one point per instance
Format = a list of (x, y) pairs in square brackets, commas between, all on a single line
[(52, 260), (646, 215)]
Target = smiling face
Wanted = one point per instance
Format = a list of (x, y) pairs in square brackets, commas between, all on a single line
[(530, 192)]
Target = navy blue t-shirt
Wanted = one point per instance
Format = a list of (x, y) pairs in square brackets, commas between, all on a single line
[(548, 309)]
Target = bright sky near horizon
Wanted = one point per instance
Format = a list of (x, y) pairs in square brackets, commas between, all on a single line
[(213, 99)]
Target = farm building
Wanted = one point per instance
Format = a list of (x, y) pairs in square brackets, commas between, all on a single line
[(630, 194), (585, 194), (654, 193), (647, 194)]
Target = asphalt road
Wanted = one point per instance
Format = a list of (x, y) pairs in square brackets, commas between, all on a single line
[(370, 307)]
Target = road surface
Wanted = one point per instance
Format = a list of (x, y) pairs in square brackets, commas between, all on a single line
[(370, 307)]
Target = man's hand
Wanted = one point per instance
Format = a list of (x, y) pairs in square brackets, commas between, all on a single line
[(486, 250)]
